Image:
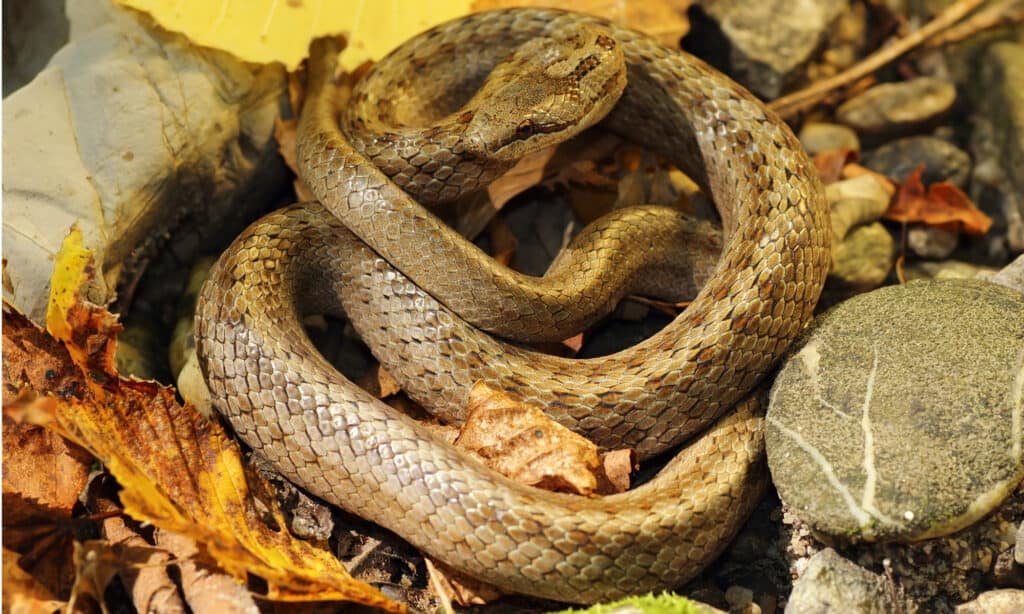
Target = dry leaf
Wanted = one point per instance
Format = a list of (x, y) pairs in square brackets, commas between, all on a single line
[(43, 475), (617, 467), (528, 172), (285, 133), (503, 241), (519, 441), (22, 593), (266, 31), (449, 584), (387, 383), (178, 471), (830, 164), (943, 205)]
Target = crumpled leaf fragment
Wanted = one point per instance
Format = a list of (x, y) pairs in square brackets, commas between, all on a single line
[(179, 471), (519, 441), (22, 593), (943, 205)]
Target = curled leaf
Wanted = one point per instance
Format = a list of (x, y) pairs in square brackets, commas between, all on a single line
[(179, 471), (943, 205)]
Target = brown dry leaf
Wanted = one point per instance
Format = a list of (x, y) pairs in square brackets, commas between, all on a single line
[(527, 173), (387, 382), (22, 593), (448, 584), (519, 441), (617, 467), (503, 241), (96, 564), (178, 471), (42, 478), (830, 164), (285, 133), (574, 343), (943, 205), (666, 21)]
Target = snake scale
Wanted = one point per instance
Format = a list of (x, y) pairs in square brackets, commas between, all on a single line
[(419, 294)]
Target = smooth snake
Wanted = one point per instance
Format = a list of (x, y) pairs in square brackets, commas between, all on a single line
[(349, 448)]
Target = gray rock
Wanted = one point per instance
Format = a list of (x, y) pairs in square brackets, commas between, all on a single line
[(1001, 601), (998, 141), (1018, 546), (831, 583), (1012, 275), (863, 260), (899, 415), (932, 242), (896, 108), (819, 137), (946, 269), (942, 160), (766, 44)]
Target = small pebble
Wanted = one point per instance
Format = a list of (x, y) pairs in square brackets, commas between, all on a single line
[(932, 242), (895, 108), (819, 137), (942, 160)]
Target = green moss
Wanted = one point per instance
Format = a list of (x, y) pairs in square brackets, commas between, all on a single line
[(665, 603)]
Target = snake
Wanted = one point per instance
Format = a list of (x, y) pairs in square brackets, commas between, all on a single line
[(436, 310)]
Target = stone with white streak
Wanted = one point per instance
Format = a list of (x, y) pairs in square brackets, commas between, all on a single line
[(899, 415)]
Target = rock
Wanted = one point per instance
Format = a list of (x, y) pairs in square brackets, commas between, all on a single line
[(741, 599), (873, 421), (1001, 601), (942, 160), (932, 242), (1011, 276), (33, 32), (898, 108), (130, 133), (998, 139), (831, 583), (856, 201), (863, 260), (1018, 546), (763, 45), (932, 575), (819, 137), (946, 269)]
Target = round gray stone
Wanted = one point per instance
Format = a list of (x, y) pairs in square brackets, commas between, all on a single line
[(900, 413)]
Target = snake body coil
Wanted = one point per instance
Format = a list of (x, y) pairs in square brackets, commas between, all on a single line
[(337, 441)]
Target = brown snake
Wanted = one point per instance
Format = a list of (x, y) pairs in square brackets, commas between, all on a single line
[(342, 444)]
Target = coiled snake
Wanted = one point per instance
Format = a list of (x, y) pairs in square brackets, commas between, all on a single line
[(342, 444)]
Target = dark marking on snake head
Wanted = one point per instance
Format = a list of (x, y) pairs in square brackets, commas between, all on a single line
[(466, 117), (418, 64), (586, 65), (605, 42)]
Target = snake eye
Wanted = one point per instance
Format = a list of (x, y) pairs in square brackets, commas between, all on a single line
[(524, 130)]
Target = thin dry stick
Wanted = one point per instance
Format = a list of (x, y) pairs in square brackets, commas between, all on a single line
[(790, 105), (1002, 13)]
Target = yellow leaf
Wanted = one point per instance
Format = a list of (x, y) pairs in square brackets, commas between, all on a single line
[(266, 31), (70, 267), (179, 471)]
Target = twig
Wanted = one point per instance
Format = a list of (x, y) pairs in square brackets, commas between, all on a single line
[(1002, 13), (798, 101)]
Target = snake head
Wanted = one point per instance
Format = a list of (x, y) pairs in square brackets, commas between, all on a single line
[(550, 89)]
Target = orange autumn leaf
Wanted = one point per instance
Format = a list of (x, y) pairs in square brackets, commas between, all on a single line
[(179, 471), (519, 441), (943, 205)]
